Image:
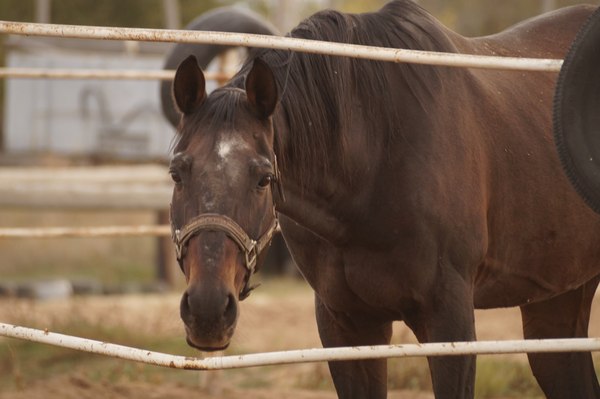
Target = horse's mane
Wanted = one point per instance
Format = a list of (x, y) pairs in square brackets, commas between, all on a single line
[(317, 93)]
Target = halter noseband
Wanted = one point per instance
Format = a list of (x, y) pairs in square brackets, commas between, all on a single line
[(215, 222)]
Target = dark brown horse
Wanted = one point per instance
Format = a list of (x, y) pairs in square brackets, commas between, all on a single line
[(412, 193)]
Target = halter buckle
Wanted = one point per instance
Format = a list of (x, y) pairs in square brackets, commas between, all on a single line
[(176, 237), (251, 256)]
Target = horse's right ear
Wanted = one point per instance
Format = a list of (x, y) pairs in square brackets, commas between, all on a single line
[(189, 86), (261, 89)]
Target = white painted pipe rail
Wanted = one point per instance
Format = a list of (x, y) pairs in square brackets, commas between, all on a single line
[(87, 232), (84, 232), (85, 196), (284, 43), (108, 174), (301, 355), (115, 74)]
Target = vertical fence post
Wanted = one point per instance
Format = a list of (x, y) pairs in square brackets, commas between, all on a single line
[(43, 11), (172, 14)]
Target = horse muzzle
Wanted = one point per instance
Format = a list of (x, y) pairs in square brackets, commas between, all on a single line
[(210, 317)]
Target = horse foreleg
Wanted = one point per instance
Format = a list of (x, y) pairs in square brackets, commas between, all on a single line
[(354, 379), (448, 316), (562, 375)]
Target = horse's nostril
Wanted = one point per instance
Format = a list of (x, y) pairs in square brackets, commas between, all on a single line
[(230, 308), (185, 302), (209, 307)]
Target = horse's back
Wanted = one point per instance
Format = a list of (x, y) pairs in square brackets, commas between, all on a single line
[(547, 35)]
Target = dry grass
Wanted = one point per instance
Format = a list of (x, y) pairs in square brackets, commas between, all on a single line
[(278, 316)]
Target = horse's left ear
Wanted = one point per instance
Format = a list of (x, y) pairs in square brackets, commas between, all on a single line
[(261, 89)]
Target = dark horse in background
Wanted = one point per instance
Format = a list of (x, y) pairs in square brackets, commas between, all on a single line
[(222, 19), (577, 112), (404, 192)]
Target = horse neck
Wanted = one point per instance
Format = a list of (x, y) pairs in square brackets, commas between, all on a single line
[(316, 194), (313, 213), (338, 117)]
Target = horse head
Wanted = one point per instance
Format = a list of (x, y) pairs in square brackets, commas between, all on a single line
[(222, 211)]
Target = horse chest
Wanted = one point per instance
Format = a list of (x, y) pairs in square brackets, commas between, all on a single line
[(349, 280)]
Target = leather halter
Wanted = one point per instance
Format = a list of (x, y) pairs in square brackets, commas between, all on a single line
[(216, 222)]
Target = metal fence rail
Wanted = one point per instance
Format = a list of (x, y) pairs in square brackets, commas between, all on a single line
[(282, 43), (301, 355), (81, 232), (103, 74)]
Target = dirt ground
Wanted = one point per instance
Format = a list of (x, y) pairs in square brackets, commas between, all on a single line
[(74, 388), (268, 322)]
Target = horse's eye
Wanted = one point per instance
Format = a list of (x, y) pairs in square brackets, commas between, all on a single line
[(175, 176), (265, 181)]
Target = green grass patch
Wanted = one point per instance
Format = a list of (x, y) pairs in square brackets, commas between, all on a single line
[(108, 260), (409, 373), (505, 378), (496, 377), (316, 377)]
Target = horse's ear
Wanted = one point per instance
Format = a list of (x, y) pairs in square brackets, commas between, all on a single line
[(189, 86), (261, 89)]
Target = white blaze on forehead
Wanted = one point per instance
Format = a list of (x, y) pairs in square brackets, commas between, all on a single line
[(231, 165), (229, 144)]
